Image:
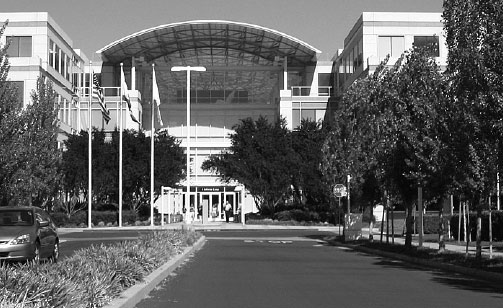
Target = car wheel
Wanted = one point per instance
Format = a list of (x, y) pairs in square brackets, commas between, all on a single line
[(55, 252), (36, 253)]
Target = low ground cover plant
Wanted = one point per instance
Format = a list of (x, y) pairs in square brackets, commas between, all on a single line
[(494, 265), (93, 276)]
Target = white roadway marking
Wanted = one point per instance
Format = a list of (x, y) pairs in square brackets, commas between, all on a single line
[(277, 240), (272, 240)]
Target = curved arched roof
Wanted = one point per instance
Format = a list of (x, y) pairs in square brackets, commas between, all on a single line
[(209, 38)]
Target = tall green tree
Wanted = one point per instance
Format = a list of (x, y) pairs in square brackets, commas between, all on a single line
[(260, 157), (10, 126), (29, 157), (169, 165), (307, 178), (418, 120), (474, 36), (388, 129), (42, 170)]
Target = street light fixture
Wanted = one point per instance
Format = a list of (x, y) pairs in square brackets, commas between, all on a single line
[(188, 69)]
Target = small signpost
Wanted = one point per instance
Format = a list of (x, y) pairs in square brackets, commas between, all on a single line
[(340, 191)]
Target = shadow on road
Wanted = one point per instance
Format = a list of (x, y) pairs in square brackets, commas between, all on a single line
[(447, 278)]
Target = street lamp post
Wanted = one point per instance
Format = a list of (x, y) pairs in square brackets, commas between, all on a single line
[(188, 69)]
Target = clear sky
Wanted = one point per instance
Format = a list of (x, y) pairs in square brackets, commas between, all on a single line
[(92, 24)]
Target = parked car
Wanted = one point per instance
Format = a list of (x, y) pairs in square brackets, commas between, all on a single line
[(27, 233)]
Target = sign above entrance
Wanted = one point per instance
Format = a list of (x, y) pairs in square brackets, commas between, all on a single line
[(211, 189)]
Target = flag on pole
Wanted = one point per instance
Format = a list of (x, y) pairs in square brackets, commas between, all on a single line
[(98, 93), (155, 96), (125, 95)]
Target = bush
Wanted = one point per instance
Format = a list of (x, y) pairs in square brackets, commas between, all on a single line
[(92, 277), (497, 226), (431, 224), (104, 217)]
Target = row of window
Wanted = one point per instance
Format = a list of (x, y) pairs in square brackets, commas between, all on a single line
[(59, 60), (354, 59), (394, 46)]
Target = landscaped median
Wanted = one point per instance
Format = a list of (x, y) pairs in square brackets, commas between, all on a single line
[(117, 275)]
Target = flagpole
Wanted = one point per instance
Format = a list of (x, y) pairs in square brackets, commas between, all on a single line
[(152, 154), (120, 149), (89, 153)]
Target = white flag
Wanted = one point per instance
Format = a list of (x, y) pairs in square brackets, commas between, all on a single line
[(125, 95), (155, 96)]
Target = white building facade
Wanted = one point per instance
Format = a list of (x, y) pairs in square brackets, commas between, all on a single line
[(376, 35), (40, 48)]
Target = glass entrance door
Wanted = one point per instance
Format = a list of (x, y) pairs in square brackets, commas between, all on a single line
[(214, 206)]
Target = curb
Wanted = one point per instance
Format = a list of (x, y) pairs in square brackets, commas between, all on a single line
[(481, 274), (132, 296)]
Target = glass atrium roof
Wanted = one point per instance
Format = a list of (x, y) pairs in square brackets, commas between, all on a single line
[(210, 43), (237, 56)]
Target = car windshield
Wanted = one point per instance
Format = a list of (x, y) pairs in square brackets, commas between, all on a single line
[(16, 218)]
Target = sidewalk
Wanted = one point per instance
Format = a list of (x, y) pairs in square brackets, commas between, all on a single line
[(431, 241), (210, 226)]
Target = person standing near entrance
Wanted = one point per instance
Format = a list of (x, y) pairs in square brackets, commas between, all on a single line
[(227, 209)]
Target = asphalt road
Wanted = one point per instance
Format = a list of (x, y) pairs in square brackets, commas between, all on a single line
[(72, 242), (296, 269)]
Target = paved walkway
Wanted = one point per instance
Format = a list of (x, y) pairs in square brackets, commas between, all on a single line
[(430, 241)]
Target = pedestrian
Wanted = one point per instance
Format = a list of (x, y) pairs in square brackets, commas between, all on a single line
[(227, 209)]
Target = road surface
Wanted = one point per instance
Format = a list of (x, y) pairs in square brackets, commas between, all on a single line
[(296, 269)]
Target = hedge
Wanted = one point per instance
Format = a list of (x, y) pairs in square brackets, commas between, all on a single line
[(93, 276), (497, 226), (98, 217)]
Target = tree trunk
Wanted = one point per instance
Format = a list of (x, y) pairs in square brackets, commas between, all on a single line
[(441, 243), (467, 226), (409, 224), (478, 253), (392, 224), (371, 224), (420, 216)]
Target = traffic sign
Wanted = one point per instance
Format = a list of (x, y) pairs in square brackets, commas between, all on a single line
[(340, 190)]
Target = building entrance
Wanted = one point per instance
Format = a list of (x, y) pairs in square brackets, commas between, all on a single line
[(215, 203)]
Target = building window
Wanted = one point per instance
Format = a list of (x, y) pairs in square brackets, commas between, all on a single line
[(306, 114), (324, 79), (390, 45), (52, 52), (62, 64), (56, 58), (19, 46), (430, 43)]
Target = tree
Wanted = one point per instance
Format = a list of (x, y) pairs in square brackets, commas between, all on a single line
[(169, 165), (307, 177), (260, 157), (29, 156), (10, 126), (387, 131), (474, 36), (42, 170), (419, 119)]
